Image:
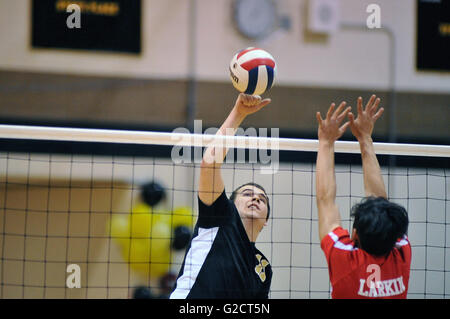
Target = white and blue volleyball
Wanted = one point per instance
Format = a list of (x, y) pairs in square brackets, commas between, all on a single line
[(253, 71)]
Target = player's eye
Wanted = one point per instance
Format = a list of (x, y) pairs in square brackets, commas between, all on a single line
[(262, 198)]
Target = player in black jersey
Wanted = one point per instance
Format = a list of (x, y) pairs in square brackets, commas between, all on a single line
[(221, 260)]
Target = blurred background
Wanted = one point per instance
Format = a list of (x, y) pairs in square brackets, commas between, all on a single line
[(159, 64)]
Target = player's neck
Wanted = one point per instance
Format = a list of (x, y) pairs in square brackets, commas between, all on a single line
[(251, 228)]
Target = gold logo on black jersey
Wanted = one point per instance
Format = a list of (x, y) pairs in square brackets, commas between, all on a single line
[(261, 267)]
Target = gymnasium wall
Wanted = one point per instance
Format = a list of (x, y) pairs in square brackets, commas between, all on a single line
[(42, 234), (151, 89)]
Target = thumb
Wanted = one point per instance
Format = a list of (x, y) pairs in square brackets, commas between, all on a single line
[(351, 118), (344, 127), (319, 118), (265, 102)]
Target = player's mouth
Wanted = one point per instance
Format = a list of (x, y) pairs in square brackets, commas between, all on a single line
[(254, 206)]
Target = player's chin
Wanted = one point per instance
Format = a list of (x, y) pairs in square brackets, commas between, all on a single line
[(255, 214)]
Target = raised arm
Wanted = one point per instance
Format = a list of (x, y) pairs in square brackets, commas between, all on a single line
[(362, 128), (329, 131), (211, 183)]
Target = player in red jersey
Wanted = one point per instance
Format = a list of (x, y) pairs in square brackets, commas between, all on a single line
[(374, 262)]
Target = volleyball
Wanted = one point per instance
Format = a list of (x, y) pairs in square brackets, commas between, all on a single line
[(252, 71)]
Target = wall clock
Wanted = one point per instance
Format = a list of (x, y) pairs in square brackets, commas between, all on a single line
[(255, 19)]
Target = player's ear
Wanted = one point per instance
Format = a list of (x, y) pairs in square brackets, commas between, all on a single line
[(354, 235)]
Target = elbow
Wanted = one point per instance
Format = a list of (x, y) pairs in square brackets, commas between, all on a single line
[(324, 197), (376, 193), (205, 163), (324, 201), (211, 159), (208, 163)]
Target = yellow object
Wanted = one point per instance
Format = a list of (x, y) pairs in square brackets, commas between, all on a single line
[(149, 256), (182, 216), (144, 237)]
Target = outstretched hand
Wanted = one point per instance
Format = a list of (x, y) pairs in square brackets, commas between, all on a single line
[(363, 125), (330, 128), (248, 104)]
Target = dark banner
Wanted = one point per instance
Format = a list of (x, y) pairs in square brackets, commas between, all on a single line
[(104, 25), (206, 309), (433, 35)]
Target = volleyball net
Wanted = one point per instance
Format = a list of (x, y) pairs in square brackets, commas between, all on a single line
[(79, 225)]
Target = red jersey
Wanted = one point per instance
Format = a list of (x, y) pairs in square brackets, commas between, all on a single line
[(356, 274)]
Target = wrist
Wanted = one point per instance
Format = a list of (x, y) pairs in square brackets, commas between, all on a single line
[(365, 140), (326, 143), (238, 115), (366, 146)]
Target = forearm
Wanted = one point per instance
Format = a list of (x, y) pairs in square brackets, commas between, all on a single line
[(211, 182), (216, 153), (373, 180), (325, 175), (328, 212)]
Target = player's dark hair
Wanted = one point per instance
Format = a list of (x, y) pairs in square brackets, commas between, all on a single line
[(235, 192), (379, 223)]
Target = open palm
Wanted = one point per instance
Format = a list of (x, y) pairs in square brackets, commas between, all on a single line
[(330, 128), (364, 123)]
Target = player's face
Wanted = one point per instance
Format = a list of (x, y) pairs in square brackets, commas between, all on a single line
[(252, 202)]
